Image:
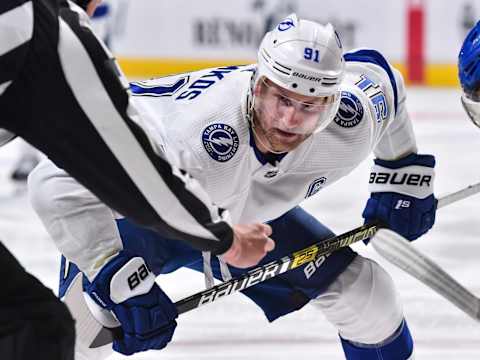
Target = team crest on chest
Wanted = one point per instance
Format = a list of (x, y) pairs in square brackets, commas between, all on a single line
[(350, 112), (315, 186), (221, 141)]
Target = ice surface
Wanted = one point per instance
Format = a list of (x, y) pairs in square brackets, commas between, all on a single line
[(233, 328)]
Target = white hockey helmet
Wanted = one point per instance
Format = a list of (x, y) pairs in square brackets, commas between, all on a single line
[(305, 58)]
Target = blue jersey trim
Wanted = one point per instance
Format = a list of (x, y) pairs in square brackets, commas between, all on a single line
[(374, 57), (412, 159), (262, 158), (139, 88)]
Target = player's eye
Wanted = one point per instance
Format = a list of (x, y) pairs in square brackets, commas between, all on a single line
[(307, 107), (284, 100)]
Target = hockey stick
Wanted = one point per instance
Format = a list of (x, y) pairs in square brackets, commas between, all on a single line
[(272, 269), (401, 253), (250, 278), (277, 267)]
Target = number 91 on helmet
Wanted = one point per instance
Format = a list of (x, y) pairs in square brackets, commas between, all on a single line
[(296, 88)]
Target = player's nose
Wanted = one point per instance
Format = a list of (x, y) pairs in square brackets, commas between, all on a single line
[(291, 118)]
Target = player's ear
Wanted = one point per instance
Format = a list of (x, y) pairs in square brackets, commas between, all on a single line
[(258, 88)]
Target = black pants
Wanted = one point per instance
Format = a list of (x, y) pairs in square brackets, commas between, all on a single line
[(34, 323)]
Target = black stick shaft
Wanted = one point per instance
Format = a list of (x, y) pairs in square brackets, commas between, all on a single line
[(275, 268), (258, 275)]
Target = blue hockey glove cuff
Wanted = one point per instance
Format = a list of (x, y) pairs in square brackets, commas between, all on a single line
[(127, 287), (402, 195)]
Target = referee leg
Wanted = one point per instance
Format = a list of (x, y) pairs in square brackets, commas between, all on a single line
[(34, 323)]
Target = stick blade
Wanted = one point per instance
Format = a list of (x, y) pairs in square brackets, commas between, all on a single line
[(90, 332), (104, 337)]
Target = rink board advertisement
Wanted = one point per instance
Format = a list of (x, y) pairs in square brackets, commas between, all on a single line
[(421, 37)]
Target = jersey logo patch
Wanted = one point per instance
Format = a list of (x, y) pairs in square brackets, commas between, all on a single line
[(350, 112), (270, 174), (221, 141), (286, 24), (315, 186)]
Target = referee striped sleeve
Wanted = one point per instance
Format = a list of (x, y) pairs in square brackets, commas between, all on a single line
[(178, 200), (16, 29), (7, 5)]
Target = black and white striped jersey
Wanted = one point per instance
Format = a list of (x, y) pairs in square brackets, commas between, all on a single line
[(62, 91)]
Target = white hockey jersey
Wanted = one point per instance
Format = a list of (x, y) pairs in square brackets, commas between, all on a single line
[(204, 131), (200, 123)]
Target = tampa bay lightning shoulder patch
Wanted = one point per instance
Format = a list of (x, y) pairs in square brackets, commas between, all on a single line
[(350, 112), (220, 141)]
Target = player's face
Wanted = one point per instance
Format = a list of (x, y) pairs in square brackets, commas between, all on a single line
[(284, 119)]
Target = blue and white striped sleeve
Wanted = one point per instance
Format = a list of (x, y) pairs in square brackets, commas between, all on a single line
[(395, 137)]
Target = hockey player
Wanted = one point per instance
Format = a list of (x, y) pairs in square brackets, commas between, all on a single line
[(469, 74), (260, 139), (62, 91)]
